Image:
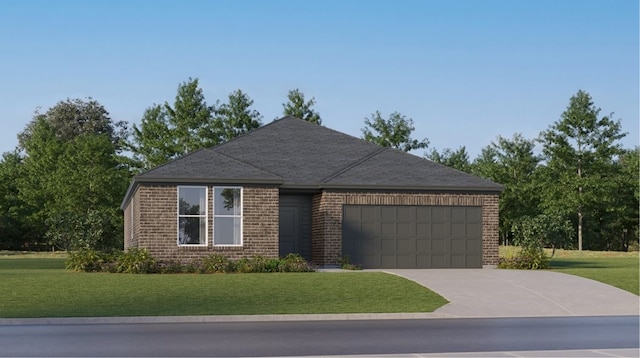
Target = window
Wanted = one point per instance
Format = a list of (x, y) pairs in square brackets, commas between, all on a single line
[(192, 215), (227, 216)]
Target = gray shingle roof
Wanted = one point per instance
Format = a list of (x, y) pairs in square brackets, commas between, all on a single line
[(297, 154)]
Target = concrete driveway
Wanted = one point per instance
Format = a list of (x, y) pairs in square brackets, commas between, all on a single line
[(522, 293)]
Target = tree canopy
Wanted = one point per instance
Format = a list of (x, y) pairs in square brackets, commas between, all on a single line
[(393, 132), (297, 107)]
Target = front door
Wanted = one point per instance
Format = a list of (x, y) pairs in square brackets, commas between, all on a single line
[(295, 225)]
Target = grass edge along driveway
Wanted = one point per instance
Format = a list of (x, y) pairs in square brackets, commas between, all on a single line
[(43, 288)]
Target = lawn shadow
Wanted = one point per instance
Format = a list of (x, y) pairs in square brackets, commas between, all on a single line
[(572, 263)]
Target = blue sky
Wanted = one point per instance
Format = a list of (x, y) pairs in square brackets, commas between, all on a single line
[(464, 71)]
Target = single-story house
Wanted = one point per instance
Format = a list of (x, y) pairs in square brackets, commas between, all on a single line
[(296, 187)]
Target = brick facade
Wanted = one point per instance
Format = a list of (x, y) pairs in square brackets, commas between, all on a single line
[(154, 224)]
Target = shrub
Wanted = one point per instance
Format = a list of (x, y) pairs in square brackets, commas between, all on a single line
[(294, 263), (530, 233), (136, 260), (346, 265), (215, 263), (87, 260)]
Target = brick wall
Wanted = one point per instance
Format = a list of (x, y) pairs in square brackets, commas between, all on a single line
[(327, 218), (155, 225)]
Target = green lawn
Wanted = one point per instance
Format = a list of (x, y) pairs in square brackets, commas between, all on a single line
[(41, 287), (619, 269), (621, 272)]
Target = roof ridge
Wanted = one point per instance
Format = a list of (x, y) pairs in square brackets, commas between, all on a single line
[(250, 132), (170, 161), (353, 165), (245, 163)]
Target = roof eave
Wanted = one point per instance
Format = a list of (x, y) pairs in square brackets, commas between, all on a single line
[(135, 182), (485, 189)]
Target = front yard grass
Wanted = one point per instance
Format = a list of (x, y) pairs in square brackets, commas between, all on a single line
[(41, 287), (618, 269)]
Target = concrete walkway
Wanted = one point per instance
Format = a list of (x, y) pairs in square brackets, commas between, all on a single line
[(522, 293)]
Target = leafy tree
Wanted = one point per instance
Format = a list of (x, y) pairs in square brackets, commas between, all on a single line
[(73, 117), (191, 118), (169, 131), (579, 150), (236, 117), (458, 159), (297, 107), (15, 233), (78, 174), (154, 142), (394, 132), (617, 222), (512, 163)]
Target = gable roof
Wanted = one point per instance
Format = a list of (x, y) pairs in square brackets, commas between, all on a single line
[(295, 154)]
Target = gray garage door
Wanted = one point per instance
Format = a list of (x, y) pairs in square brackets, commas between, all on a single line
[(413, 236)]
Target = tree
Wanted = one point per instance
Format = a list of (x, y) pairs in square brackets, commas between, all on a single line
[(458, 159), (579, 150), (394, 132), (297, 107), (236, 117), (169, 131), (14, 231), (73, 117), (617, 222), (512, 163), (73, 174)]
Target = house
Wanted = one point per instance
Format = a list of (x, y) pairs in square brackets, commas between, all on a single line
[(297, 187)]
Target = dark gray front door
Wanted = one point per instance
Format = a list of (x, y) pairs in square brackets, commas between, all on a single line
[(295, 225), (378, 236)]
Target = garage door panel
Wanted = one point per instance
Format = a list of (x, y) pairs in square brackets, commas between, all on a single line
[(406, 261), (423, 229), (406, 213), (352, 213), (437, 245), (439, 261), (458, 244), (388, 245), (474, 245), (388, 213), (474, 229), (458, 261), (423, 213), (474, 214), (438, 229), (388, 228), (439, 213), (423, 261), (370, 213), (406, 245), (458, 214), (369, 228), (404, 229), (458, 229), (413, 236), (388, 261)]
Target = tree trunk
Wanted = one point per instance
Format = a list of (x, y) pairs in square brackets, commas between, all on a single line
[(579, 231)]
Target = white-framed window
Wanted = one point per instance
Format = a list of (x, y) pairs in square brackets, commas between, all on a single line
[(192, 215), (227, 216)]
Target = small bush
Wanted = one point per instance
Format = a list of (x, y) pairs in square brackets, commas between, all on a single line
[(346, 265), (294, 263), (170, 267), (87, 260), (216, 264), (136, 260)]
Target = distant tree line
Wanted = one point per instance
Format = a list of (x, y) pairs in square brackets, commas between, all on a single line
[(62, 185)]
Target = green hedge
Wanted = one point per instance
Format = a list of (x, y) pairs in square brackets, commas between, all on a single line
[(141, 261)]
